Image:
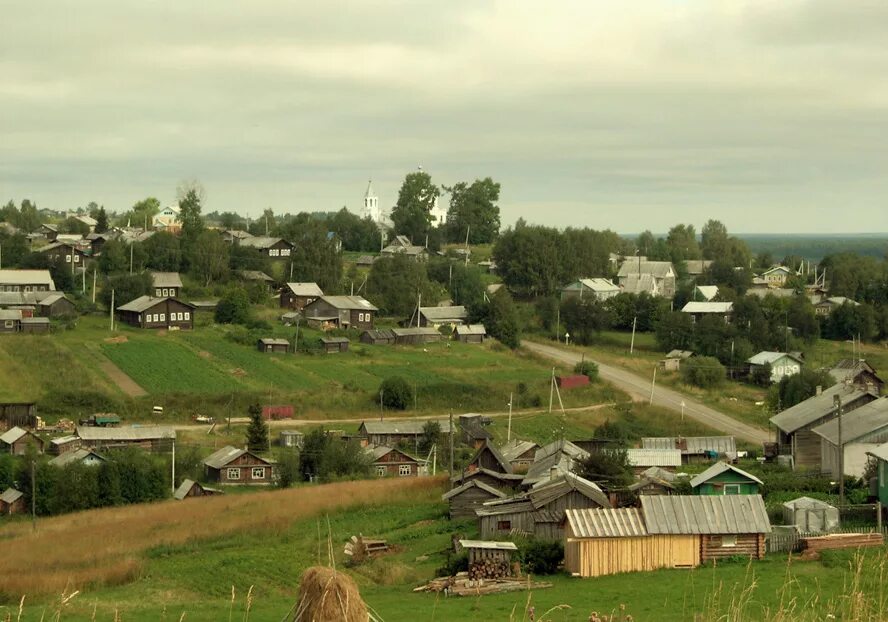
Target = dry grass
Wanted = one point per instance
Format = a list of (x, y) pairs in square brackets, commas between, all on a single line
[(105, 547)]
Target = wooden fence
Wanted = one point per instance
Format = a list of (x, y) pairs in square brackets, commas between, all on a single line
[(791, 542)]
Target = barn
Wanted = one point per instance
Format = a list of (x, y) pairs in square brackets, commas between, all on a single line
[(16, 441), (666, 532), (12, 501), (378, 337), (465, 499), (271, 344), (470, 333), (190, 488)]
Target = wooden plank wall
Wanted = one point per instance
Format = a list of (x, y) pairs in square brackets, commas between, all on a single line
[(748, 545), (594, 557)]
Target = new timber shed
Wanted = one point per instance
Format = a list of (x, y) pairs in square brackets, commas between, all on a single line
[(666, 532)]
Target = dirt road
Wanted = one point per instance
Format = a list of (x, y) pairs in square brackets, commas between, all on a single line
[(641, 388)]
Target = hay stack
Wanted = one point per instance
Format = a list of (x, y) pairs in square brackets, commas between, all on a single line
[(329, 596)]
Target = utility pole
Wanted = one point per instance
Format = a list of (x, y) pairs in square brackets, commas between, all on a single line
[(509, 429), (291, 271), (131, 257), (173, 465), (418, 307), (1, 256), (837, 401), (112, 311), (468, 228), (296, 340), (451, 443), (83, 281), (33, 494), (380, 405), (551, 389), (653, 382), (632, 342), (94, 286)]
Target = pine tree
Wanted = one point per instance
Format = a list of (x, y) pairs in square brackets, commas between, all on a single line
[(257, 430), (101, 221)]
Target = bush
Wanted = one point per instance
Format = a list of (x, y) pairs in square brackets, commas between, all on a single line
[(703, 371), (588, 369), (540, 556), (456, 562), (234, 307), (396, 393)]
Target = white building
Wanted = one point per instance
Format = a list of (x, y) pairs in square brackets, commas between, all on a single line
[(371, 205)]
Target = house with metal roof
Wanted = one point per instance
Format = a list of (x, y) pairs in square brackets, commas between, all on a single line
[(166, 284), (655, 277), (435, 317), (273, 248), (795, 425), (83, 456), (695, 448), (393, 462), (699, 310), (863, 430), (155, 438), (340, 312), (640, 459), (231, 465), (390, 433), (151, 312), (671, 531), (777, 276), (296, 295), (594, 288), (781, 364), (26, 281), (725, 479), (16, 441), (705, 293), (859, 373), (189, 488)]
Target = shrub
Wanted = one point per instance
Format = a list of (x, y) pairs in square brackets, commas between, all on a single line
[(396, 393), (234, 307), (588, 369), (703, 371), (761, 375), (456, 562), (540, 556)]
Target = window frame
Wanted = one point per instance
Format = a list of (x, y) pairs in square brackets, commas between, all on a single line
[(381, 470), (232, 470), (257, 473), (404, 470), (504, 525), (735, 487), (729, 541)]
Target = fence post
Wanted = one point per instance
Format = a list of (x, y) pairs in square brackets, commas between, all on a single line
[(879, 516)]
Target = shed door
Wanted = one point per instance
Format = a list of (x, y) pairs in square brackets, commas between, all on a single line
[(686, 551)]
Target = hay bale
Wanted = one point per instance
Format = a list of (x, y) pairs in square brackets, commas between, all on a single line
[(326, 595)]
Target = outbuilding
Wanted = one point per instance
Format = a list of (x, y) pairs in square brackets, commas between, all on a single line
[(35, 325), (811, 515), (471, 333), (781, 364), (469, 496), (271, 344), (296, 295), (16, 441), (12, 501), (412, 336), (378, 337), (231, 465), (190, 488), (725, 479), (331, 345)]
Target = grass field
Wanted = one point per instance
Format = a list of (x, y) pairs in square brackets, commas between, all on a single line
[(194, 559)]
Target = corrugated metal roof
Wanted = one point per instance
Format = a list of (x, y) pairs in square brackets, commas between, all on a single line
[(221, 457), (403, 427), (474, 483), (348, 303), (659, 269), (143, 303), (272, 341), (261, 242), (442, 314), (880, 452), (471, 329), (717, 469), (414, 330), (708, 307), (132, 433), (305, 289), (74, 456), (606, 523), (816, 407), (11, 495), (166, 279), (704, 514), (653, 457), (26, 277), (486, 544), (183, 489), (658, 473), (12, 435), (692, 444), (858, 423), (769, 358)]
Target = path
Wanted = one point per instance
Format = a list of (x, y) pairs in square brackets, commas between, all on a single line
[(669, 398), (116, 375)]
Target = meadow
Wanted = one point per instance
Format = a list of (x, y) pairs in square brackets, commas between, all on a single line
[(201, 558)]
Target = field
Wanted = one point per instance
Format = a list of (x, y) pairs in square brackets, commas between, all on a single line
[(148, 563)]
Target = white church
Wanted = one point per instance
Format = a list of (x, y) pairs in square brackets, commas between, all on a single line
[(372, 210)]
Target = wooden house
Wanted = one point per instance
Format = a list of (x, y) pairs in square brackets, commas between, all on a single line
[(642, 459), (414, 336), (231, 465), (297, 295), (340, 312), (17, 441), (10, 320), (520, 454), (489, 457), (863, 430), (777, 276), (401, 245), (592, 288), (64, 252), (473, 430), (166, 284), (34, 325), (12, 501), (150, 312), (507, 482), (699, 310), (782, 364), (63, 444), (270, 344), (26, 281), (654, 277), (378, 337), (48, 231), (190, 488), (97, 242), (22, 414), (470, 333), (724, 479), (86, 457), (826, 306), (275, 249), (332, 345), (435, 317), (392, 433), (539, 511), (391, 462), (55, 304), (695, 448), (649, 485), (257, 276), (469, 496), (154, 438), (858, 373), (673, 359), (795, 425), (666, 532)]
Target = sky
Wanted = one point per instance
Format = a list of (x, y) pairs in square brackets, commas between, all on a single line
[(769, 116)]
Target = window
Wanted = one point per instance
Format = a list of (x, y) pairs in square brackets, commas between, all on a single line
[(166, 292), (273, 252), (381, 470), (732, 489), (9, 324), (233, 473), (76, 258), (285, 252), (728, 541), (187, 315), (503, 525), (157, 292), (403, 469), (163, 317), (27, 288), (258, 473), (67, 258), (179, 317), (360, 317)]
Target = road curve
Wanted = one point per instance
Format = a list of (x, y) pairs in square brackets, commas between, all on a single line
[(668, 398)]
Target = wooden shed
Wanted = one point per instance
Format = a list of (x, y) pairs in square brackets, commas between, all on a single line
[(724, 479), (16, 441), (270, 344), (482, 550), (34, 325), (406, 336), (465, 499), (470, 333), (378, 337), (12, 501), (190, 488), (334, 344)]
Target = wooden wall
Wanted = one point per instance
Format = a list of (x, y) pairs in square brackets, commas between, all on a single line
[(464, 504), (594, 557), (746, 545)]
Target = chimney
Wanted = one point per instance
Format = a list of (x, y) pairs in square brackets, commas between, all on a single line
[(819, 390)]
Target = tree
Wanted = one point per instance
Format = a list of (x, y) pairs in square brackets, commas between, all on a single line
[(674, 331), (316, 258), (289, 471), (191, 195), (357, 234), (500, 318), (714, 237), (396, 393), (257, 429), (609, 467), (233, 307), (101, 220), (163, 251), (310, 458), (394, 284), (761, 375), (411, 215), (126, 287), (15, 248), (141, 214), (588, 369), (473, 211), (702, 371), (209, 257), (464, 283), (681, 242), (792, 390), (115, 257), (584, 319), (73, 225), (431, 436)]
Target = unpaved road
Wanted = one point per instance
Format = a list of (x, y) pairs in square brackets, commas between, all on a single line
[(668, 398)]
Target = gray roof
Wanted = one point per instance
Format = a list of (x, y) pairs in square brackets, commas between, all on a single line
[(471, 329), (12, 435), (679, 354), (53, 298), (349, 302), (690, 445), (74, 456), (560, 446), (655, 472), (63, 440), (880, 452), (777, 292), (807, 503), (704, 514), (511, 451), (500, 459), (380, 333), (659, 269), (35, 320), (143, 303), (305, 289), (11, 495), (255, 275), (637, 283), (815, 407), (26, 277), (221, 457), (326, 340), (720, 308), (697, 266), (130, 433), (382, 450), (860, 422), (487, 544), (707, 291), (653, 457), (403, 427), (606, 522), (647, 480), (422, 330), (260, 242), (717, 469), (594, 284), (166, 279), (837, 301), (545, 493), (473, 483), (10, 314), (444, 314), (768, 358), (272, 341), (183, 489)]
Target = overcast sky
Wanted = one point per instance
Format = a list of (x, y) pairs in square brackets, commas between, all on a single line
[(770, 116)]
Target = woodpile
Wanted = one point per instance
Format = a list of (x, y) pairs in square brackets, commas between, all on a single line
[(462, 585), (842, 541), (359, 548), (489, 569)]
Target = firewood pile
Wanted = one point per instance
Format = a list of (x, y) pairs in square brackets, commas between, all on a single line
[(489, 569), (841, 541), (359, 548), (461, 585)]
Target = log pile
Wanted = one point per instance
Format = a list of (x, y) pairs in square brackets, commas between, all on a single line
[(842, 541), (359, 548), (489, 569), (462, 585)]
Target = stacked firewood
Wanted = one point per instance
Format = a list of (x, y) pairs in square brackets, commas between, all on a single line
[(842, 541), (489, 569)]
